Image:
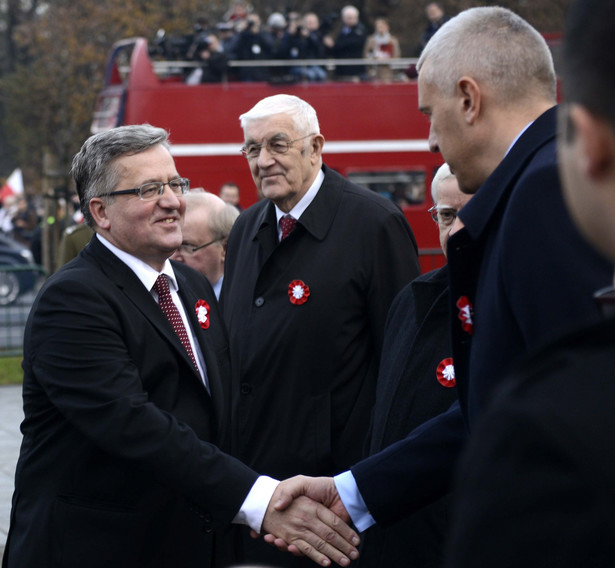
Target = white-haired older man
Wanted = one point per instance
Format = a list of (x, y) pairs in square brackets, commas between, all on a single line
[(306, 306)]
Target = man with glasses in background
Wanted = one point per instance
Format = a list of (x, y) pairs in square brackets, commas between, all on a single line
[(416, 381), (207, 225), (311, 271), (125, 373)]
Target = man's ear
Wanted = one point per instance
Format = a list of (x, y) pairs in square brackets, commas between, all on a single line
[(316, 145), (470, 98), (98, 210), (596, 141)]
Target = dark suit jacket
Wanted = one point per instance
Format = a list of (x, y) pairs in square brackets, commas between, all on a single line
[(116, 466), (416, 341), (536, 482), (529, 275), (305, 375)]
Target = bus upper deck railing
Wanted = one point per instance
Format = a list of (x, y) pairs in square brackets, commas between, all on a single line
[(396, 63), (165, 69)]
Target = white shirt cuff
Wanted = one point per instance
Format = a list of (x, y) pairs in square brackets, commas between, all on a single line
[(353, 502), (254, 507)]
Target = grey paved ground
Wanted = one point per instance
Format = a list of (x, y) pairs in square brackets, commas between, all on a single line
[(11, 415)]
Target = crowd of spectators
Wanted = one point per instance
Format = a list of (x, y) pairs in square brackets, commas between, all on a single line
[(289, 37)]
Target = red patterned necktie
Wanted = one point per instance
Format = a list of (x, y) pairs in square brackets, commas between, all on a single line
[(287, 224), (166, 303)]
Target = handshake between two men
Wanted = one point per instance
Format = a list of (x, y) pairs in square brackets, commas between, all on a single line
[(306, 517)]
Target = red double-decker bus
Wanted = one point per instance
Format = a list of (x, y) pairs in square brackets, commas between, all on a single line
[(374, 133)]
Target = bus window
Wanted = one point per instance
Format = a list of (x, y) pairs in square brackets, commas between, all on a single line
[(405, 187), (108, 111)]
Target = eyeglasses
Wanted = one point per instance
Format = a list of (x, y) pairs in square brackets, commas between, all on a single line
[(274, 146), (187, 248), (444, 216), (154, 189)]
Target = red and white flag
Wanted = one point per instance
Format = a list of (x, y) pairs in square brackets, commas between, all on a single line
[(13, 185)]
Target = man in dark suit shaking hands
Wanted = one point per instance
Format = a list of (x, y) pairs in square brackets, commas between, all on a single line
[(520, 272), (125, 370)]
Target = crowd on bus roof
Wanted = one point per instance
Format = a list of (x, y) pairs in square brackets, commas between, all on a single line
[(243, 35)]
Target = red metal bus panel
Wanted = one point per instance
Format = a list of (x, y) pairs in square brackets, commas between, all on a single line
[(370, 128)]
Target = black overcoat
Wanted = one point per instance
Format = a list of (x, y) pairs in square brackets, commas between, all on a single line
[(526, 274), (304, 374), (536, 482), (413, 386)]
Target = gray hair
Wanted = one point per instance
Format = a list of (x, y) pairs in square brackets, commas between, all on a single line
[(221, 215), (443, 173), (494, 46), (94, 168), (302, 114), (223, 222), (350, 9)]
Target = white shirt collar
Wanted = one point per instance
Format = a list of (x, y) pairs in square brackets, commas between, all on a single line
[(144, 272), (305, 201), (517, 138), (218, 287)]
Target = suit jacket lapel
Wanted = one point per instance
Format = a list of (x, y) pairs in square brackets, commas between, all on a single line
[(189, 298), (126, 280)]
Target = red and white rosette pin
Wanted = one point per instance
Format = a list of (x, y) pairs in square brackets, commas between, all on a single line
[(202, 313), (466, 311), (298, 292), (445, 373)]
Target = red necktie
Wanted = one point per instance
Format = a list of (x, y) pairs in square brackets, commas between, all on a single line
[(287, 224), (166, 303)]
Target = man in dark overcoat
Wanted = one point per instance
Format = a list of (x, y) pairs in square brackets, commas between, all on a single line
[(416, 381), (535, 487)]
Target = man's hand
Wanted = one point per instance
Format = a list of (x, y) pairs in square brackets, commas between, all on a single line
[(321, 489), (303, 527)]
